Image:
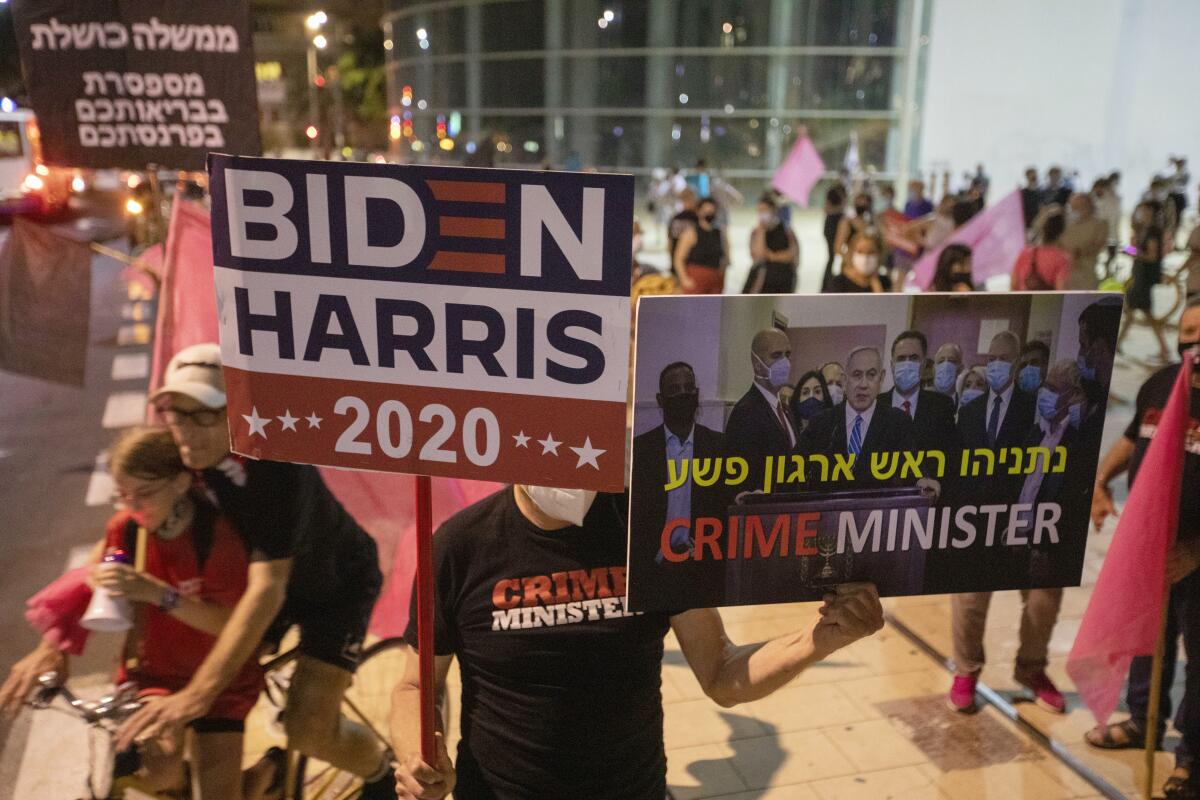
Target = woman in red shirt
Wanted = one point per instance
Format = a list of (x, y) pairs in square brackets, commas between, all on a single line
[(1044, 267)]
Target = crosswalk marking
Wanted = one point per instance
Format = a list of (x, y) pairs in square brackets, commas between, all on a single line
[(130, 366), (124, 409), (100, 484)]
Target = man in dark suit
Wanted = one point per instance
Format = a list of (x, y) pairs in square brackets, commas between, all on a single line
[(932, 413), (1000, 418), (760, 426), (697, 583), (860, 425)]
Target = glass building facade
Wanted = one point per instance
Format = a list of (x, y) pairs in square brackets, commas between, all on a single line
[(631, 85)]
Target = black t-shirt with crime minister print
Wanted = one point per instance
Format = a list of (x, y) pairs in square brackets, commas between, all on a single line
[(1151, 401), (560, 685)]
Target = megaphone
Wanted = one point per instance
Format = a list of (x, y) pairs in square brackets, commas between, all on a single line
[(108, 614)]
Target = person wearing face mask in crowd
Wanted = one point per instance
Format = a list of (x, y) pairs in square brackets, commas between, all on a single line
[(932, 414), (947, 365), (1044, 266), (835, 210), (1108, 210), (680, 438), (999, 419), (774, 252), (1148, 239), (953, 273), (1084, 240), (810, 398), (1031, 366), (835, 380), (1031, 197), (917, 205), (760, 424), (561, 684), (1183, 559), (860, 267), (851, 226), (702, 253), (972, 384)]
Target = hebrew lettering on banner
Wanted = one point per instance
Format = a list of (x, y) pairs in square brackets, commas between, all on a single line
[(740, 496), (159, 82)]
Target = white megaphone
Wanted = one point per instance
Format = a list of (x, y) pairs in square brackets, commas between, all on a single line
[(108, 614)]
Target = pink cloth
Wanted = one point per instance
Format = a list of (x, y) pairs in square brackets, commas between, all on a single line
[(381, 502), (1124, 614), (55, 611), (995, 235), (799, 172)]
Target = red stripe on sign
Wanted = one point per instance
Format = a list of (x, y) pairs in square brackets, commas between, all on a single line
[(473, 227), (468, 262), (467, 191), (452, 433)]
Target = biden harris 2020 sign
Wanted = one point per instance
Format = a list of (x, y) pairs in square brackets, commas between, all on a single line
[(432, 320)]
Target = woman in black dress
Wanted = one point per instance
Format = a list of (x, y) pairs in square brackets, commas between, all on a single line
[(835, 209), (774, 252), (1147, 271)]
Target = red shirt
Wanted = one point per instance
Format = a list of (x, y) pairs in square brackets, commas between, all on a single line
[(169, 651), (1053, 267)]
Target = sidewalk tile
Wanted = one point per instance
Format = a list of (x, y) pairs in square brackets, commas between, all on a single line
[(796, 757), (702, 771), (874, 745), (890, 784)]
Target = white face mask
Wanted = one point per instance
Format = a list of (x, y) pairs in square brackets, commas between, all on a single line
[(836, 393), (866, 264), (566, 505)]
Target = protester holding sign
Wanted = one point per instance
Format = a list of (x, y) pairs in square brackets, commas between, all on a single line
[(561, 684), (311, 565)]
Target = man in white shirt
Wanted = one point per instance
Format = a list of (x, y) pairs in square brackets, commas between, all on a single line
[(947, 366)]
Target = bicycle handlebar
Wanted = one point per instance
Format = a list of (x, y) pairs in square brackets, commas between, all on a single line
[(112, 707)]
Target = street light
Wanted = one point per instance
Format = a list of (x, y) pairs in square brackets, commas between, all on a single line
[(319, 41), (316, 20)]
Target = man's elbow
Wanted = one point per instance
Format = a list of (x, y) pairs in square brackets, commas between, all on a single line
[(268, 596)]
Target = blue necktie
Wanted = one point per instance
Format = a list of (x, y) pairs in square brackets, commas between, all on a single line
[(856, 436), (994, 422)]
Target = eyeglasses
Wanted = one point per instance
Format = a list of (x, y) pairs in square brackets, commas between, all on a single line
[(203, 417), (134, 499)]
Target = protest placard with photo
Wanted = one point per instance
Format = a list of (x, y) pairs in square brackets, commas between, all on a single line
[(927, 443), (432, 320)]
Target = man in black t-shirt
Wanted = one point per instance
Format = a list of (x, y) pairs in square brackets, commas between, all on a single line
[(311, 565), (1183, 568), (560, 683), (686, 219)]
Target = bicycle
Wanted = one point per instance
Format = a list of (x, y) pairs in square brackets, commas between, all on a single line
[(113, 776)]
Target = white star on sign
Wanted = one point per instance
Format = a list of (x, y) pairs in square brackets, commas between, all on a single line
[(287, 421), (313, 421), (549, 445), (522, 440), (257, 424), (587, 454)]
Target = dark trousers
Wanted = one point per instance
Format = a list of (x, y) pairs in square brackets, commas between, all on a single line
[(1183, 619)]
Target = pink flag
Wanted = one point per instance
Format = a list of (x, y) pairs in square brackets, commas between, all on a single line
[(1124, 615), (382, 503), (187, 301), (799, 172), (995, 235)]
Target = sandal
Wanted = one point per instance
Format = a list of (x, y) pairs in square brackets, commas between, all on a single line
[(1180, 787), (1134, 736)]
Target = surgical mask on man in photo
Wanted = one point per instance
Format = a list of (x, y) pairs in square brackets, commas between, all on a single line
[(1086, 371), (778, 372), (907, 375), (865, 263), (1075, 415), (836, 393), (1047, 403), (944, 375), (998, 373), (1029, 378), (680, 409), (567, 505), (970, 394)]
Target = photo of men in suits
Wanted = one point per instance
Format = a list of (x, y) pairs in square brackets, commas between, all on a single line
[(760, 425), (932, 413), (679, 438)]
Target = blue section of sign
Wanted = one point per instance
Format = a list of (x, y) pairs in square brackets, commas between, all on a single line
[(472, 220)]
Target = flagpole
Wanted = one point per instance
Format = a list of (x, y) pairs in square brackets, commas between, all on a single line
[(1151, 747)]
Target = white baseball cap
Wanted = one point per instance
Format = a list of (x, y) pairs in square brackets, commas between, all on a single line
[(196, 372)]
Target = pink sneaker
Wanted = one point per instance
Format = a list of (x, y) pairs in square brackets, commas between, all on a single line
[(962, 694), (1045, 693)]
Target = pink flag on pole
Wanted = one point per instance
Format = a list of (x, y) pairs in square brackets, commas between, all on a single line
[(995, 235), (1124, 614), (799, 172), (382, 503)]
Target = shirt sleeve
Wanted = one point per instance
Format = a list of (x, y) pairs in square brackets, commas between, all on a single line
[(273, 509), (446, 587), (1135, 424)]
